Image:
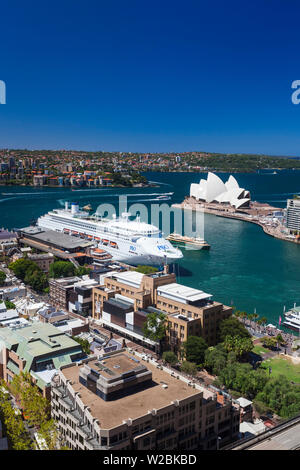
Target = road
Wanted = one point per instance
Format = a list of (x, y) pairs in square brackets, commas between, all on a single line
[(285, 436)]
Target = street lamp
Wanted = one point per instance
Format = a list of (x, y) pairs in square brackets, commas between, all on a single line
[(218, 442)]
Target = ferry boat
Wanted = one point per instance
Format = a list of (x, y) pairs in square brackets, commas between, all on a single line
[(292, 319), (131, 241), (189, 243)]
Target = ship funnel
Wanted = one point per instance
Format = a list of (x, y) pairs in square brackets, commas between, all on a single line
[(74, 208)]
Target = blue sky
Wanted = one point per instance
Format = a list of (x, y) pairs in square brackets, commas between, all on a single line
[(151, 76)]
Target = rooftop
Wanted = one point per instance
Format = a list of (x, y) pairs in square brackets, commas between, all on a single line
[(116, 365), (112, 413), (132, 278), (64, 241), (36, 340), (188, 294)]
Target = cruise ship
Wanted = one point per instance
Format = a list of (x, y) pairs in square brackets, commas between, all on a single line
[(133, 242)]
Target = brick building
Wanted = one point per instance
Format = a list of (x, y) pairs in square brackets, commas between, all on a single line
[(189, 311), (118, 402)]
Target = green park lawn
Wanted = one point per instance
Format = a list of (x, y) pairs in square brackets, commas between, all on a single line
[(258, 349), (282, 366)]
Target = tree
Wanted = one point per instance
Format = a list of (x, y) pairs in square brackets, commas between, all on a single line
[(279, 339), (30, 273), (215, 360), (37, 280), (83, 343), (243, 378), (82, 270), (2, 278), (146, 269), (9, 305), (194, 349), (170, 357), (189, 368), (21, 266), (15, 429), (60, 269), (155, 326), (241, 346), (35, 407), (269, 342), (282, 397), (232, 327)]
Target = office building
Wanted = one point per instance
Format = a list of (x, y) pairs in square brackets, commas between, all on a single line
[(120, 402)]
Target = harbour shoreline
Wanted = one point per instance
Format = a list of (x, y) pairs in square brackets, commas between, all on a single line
[(254, 215)]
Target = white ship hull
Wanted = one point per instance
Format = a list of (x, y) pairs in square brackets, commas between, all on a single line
[(115, 237)]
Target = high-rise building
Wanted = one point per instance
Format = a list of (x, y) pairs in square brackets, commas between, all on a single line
[(12, 162), (293, 215)]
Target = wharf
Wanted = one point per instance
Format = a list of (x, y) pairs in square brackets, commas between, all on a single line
[(257, 213)]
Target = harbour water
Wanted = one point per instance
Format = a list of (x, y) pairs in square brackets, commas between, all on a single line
[(244, 267)]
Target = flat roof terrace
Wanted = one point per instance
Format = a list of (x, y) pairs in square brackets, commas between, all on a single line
[(115, 366), (112, 413), (56, 239), (182, 293)]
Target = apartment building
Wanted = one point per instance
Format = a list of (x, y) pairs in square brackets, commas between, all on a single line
[(39, 349), (189, 311), (73, 294), (120, 402), (293, 215)]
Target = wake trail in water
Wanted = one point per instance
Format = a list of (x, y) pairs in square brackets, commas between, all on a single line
[(160, 183), (8, 199)]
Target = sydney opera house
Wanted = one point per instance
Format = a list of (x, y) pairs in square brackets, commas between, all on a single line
[(215, 191)]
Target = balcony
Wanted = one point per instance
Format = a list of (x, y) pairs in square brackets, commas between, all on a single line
[(93, 444), (66, 401), (84, 431), (74, 414)]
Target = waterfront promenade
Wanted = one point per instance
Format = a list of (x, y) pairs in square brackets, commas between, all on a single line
[(258, 213)]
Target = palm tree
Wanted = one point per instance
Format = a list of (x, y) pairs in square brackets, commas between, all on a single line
[(255, 316), (264, 320), (244, 315)]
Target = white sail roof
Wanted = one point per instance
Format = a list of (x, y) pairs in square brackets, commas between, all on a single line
[(214, 190)]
